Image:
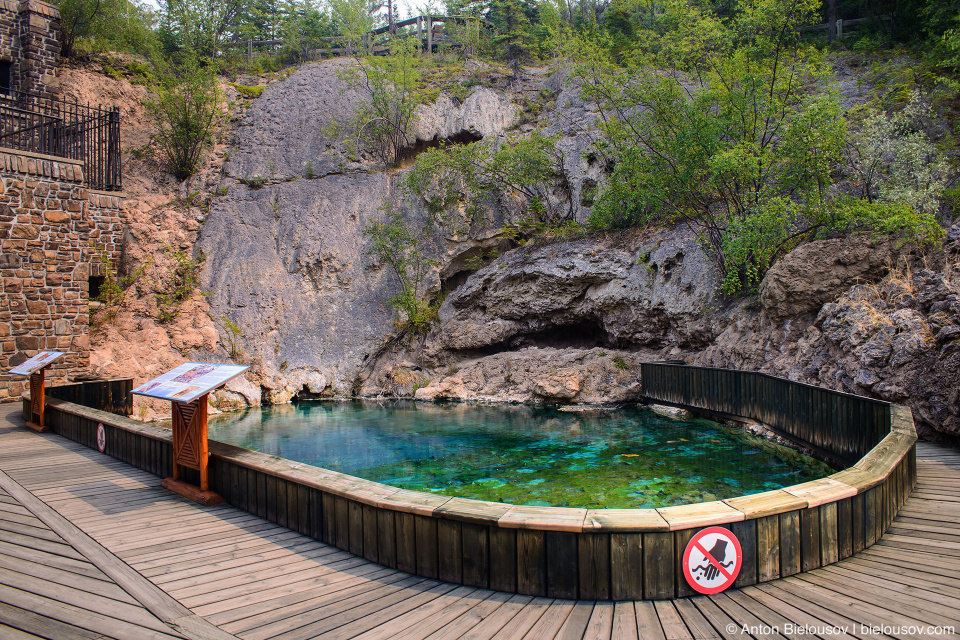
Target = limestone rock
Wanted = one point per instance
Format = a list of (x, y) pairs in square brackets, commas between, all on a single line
[(953, 235), (818, 272), (289, 264), (562, 386), (538, 374), (867, 342), (288, 126), (484, 113), (583, 294)]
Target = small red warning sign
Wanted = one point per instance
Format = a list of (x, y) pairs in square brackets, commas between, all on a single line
[(712, 560), (101, 438)]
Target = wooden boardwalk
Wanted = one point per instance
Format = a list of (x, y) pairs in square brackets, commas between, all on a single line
[(93, 548)]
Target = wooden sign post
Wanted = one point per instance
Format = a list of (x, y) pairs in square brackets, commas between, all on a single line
[(188, 387), (34, 369), (190, 450), (37, 402)]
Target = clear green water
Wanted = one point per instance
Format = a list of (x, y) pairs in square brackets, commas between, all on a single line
[(626, 457)]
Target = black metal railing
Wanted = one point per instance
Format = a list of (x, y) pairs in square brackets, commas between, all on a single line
[(842, 425), (66, 129)]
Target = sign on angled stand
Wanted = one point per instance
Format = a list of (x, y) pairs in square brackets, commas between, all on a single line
[(187, 387), (34, 368)]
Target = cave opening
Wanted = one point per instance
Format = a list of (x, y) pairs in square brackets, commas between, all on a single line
[(409, 154), (585, 333)]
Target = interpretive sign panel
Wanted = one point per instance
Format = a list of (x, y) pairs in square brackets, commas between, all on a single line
[(36, 363), (190, 381)]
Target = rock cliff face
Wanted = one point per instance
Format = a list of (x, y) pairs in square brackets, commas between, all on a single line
[(289, 262), (567, 322), (896, 339), (583, 294)]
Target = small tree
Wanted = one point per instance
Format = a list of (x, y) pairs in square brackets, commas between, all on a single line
[(460, 179), (233, 337), (353, 19), (181, 283), (893, 160), (394, 243), (199, 25), (188, 113), (714, 124), (114, 25), (392, 83)]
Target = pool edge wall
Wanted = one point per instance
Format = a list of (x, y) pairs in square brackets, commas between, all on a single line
[(612, 554)]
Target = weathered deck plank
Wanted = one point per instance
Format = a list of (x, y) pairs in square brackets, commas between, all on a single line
[(248, 577)]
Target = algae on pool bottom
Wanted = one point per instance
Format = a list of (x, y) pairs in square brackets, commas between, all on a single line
[(626, 457)]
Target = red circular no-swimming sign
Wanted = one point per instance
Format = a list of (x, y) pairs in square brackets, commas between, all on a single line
[(712, 560), (101, 438)]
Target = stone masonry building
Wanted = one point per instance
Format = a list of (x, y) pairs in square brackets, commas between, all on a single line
[(29, 47), (55, 230)]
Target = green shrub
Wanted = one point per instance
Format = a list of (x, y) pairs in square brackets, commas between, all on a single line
[(396, 244), (254, 182), (233, 338), (246, 91), (184, 279), (188, 113)]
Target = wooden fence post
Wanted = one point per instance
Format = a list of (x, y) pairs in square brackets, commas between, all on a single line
[(429, 35), (190, 450)]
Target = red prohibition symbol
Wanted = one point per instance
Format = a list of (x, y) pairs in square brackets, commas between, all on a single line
[(101, 438), (712, 560)]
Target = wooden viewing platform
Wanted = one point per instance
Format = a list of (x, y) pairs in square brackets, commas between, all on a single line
[(92, 548)]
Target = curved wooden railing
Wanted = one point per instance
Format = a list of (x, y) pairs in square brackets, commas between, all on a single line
[(842, 426), (594, 554)]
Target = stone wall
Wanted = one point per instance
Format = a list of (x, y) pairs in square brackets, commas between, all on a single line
[(39, 27), (52, 233), (29, 40)]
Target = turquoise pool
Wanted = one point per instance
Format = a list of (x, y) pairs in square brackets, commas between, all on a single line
[(625, 457)]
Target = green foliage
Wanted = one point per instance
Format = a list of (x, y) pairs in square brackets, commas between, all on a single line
[(458, 182), (619, 362), (393, 84), (249, 92), (396, 244), (198, 26), (182, 281), (949, 50), (254, 182), (107, 25), (352, 19), (893, 160), (187, 111), (512, 22), (113, 286), (737, 139), (233, 337)]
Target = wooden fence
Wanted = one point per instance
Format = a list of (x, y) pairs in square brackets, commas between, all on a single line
[(843, 426), (605, 554), (112, 396), (377, 41)]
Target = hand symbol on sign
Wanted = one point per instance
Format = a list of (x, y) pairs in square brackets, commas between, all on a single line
[(719, 552)]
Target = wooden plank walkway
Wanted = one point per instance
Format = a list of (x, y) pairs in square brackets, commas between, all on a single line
[(244, 576)]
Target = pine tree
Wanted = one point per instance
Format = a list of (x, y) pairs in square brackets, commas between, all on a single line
[(511, 20)]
